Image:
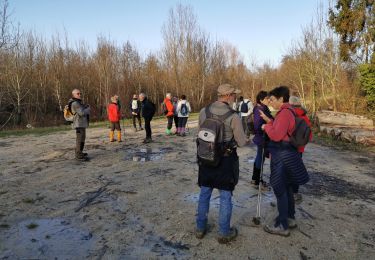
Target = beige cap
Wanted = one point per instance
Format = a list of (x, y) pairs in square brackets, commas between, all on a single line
[(226, 89)]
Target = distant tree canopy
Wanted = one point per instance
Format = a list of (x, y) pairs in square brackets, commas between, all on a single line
[(354, 21), (38, 75)]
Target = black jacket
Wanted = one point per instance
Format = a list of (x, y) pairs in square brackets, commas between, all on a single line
[(148, 109)]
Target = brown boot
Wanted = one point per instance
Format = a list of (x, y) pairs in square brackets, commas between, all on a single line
[(112, 136), (119, 136)]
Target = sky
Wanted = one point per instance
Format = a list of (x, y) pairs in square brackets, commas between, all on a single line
[(261, 30)]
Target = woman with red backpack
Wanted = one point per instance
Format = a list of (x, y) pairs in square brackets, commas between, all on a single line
[(301, 113)]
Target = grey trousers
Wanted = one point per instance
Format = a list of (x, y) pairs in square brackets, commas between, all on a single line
[(80, 141)]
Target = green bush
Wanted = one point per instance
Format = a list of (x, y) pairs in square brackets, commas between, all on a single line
[(367, 80)]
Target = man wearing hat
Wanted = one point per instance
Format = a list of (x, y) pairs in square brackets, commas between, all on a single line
[(135, 107), (223, 177)]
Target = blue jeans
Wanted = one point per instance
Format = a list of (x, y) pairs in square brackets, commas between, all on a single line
[(225, 212), (258, 159)]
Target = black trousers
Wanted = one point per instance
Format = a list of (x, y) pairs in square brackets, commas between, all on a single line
[(80, 140), (175, 118), (148, 127), (138, 117), (170, 122), (182, 121)]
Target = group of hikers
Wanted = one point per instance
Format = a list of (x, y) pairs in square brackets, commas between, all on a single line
[(175, 109), (223, 126)]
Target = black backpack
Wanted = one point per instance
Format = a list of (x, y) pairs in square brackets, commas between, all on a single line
[(184, 110), (210, 140), (244, 107), (301, 133)]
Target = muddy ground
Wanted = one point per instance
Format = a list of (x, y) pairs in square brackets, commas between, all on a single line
[(136, 201)]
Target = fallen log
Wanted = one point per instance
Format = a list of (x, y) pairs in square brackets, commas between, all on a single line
[(350, 134), (343, 119)]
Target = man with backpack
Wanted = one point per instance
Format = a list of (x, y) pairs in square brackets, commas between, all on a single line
[(220, 132), (245, 108), (135, 107), (80, 113), (167, 108), (148, 111)]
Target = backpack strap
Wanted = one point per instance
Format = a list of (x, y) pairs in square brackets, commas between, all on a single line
[(221, 117), (295, 116)]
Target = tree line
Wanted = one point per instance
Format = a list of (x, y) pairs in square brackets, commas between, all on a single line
[(37, 75)]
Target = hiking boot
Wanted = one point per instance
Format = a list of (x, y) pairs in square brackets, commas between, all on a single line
[(279, 230), (81, 157), (297, 198), (292, 223), (200, 233), (141, 128), (147, 140), (231, 236)]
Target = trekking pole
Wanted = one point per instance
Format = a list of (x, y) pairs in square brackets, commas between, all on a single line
[(257, 218)]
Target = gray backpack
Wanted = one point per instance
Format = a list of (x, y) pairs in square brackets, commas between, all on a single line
[(210, 140)]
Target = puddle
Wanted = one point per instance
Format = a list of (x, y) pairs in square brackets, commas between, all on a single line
[(146, 154), (46, 239)]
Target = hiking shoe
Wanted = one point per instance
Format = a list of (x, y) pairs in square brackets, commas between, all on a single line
[(292, 223), (279, 230), (231, 236), (81, 158), (147, 140), (200, 233), (297, 198)]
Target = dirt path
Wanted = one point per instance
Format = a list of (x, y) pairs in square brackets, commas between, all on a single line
[(135, 201)]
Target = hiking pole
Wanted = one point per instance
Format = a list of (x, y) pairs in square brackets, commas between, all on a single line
[(257, 218)]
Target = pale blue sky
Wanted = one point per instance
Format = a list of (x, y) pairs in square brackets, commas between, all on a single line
[(261, 29)]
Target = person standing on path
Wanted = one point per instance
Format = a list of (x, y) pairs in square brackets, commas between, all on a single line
[(148, 111), (301, 113), (287, 168), (175, 114), (260, 138), (183, 111), (81, 113), (223, 177), (135, 107), (169, 112), (245, 108), (114, 117)]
